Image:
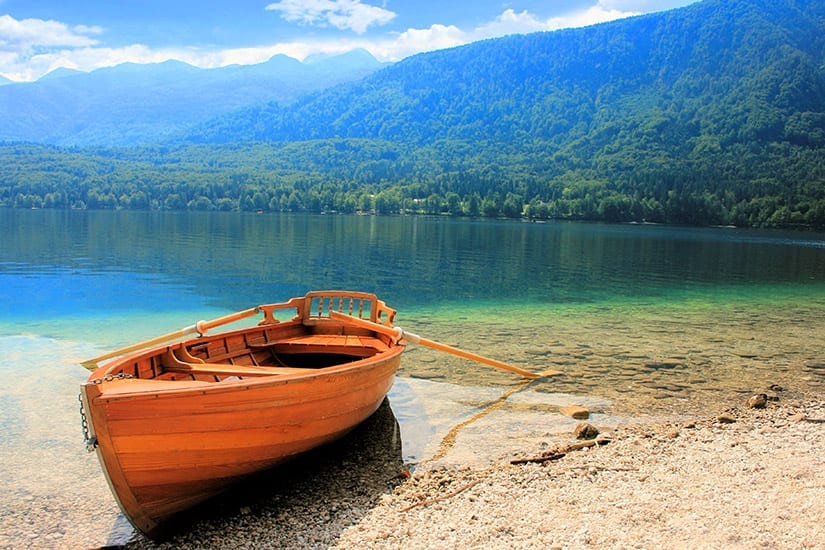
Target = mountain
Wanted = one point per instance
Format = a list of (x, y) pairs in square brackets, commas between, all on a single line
[(709, 114), (700, 109), (60, 72), (133, 104), (721, 69)]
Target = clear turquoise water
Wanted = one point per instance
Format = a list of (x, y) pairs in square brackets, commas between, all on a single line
[(101, 280), (643, 320), (81, 264)]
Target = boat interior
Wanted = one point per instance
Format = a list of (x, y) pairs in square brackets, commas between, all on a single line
[(307, 339)]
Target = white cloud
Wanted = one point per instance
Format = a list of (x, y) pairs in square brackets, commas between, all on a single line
[(27, 33), (342, 14), (23, 44), (31, 48), (508, 22), (590, 16), (511, 22), (413, 41)]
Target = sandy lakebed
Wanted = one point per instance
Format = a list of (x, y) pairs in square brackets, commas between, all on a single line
[(742, 478)]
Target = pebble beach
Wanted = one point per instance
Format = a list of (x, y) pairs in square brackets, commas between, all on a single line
[(740, 478)]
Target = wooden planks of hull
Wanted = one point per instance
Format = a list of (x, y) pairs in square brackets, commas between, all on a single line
[(176, 425)]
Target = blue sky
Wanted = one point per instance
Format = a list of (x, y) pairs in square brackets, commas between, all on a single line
[(38, 36)]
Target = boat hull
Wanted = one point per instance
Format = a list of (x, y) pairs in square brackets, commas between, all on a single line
[(166, 445)]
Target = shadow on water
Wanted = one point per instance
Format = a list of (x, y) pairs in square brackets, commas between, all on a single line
[(308, 502)]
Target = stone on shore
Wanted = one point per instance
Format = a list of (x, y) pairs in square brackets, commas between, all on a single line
[(586, 430), (758, 401)]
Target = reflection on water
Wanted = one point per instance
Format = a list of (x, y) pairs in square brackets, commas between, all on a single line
[(643, 321), (224, 260)]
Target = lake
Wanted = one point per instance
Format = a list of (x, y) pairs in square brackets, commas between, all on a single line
[(643, 320)]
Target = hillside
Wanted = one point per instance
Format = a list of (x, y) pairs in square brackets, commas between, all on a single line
[(754, 63), (710, 114), (134, 104), (716, 105)]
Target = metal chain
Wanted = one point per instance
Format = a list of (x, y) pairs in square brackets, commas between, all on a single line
[(88, 439), (91, 442), (110, 377)]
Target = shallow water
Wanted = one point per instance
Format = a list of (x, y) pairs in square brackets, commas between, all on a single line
[(641, 321)]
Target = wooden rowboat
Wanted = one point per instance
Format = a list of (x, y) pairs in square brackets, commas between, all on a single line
[(175, 424)]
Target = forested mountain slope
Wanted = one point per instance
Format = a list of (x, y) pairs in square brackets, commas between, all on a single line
[(735, 70), (710, 106)]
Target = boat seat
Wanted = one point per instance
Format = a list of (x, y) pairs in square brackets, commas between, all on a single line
[(172, 363), (344, 344), (226, 369)]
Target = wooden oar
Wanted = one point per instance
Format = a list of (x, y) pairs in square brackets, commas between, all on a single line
[(198, 328), (398, 333)]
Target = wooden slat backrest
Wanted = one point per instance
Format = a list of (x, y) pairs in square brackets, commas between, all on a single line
[(315, 307)]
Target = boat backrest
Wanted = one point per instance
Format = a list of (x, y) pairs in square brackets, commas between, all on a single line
[(358, 304), (315, 307)]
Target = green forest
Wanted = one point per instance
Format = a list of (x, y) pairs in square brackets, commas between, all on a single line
[(373, 176), (713, 114)]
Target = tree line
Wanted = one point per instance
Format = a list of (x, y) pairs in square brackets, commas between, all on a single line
[(379, 177)]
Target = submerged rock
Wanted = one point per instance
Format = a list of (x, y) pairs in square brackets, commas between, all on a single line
[(664, 364)]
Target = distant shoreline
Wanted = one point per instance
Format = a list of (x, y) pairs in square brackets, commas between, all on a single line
[(802, 228)]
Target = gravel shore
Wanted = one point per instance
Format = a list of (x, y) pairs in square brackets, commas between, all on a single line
[(742, 478)]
